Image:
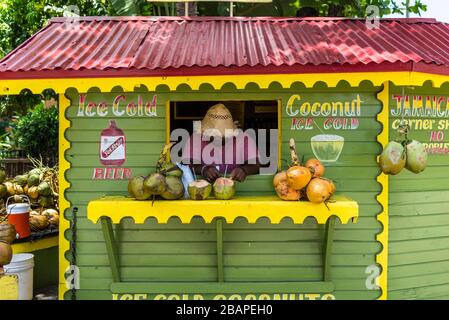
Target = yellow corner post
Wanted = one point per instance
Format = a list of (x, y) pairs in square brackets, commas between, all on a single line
[(64, 205), (382, 198)]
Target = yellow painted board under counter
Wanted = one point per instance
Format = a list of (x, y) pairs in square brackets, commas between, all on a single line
[(31, 246), (251, 208)]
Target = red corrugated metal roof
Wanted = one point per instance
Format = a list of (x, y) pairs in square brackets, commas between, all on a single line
[(154, 44)]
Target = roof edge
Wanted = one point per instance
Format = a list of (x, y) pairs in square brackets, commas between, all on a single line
[(216, 71), (215, 18)]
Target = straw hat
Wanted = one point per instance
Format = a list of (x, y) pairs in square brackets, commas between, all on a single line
[(218, 122)]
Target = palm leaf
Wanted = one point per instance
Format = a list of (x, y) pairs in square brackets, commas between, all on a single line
[(125, 7)]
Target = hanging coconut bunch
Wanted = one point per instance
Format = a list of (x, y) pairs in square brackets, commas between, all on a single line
[(164, 182), (403, 153), (304, 182)]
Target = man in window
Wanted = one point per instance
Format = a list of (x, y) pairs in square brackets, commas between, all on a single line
[(218, 148)]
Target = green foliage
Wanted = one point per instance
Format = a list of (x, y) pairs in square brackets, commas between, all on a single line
[(131, 7), (38, 132), (357, 8), (19, 19)]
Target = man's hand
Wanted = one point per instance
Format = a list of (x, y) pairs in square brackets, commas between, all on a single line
[(238, 174), (210, 173)]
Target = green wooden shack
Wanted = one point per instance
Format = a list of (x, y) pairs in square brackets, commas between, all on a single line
[(337, 81)]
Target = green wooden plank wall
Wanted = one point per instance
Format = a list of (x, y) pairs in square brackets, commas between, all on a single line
[(260, 252), (419, 206)]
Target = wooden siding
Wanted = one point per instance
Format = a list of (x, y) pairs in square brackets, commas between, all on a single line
[(177, 252)]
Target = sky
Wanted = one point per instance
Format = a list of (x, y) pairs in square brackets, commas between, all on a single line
[(438, 9)]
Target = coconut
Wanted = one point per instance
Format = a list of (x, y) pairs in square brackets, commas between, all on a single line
[(46, 201), (9, 187), (135, 188), (416, 157), (33, 180), (35, 171), (38, 223), (21, 180), (224, 188), (175, 188), (199, 189), (2, 175), (5, 253), (18, 198), (154, 184), (18, 189), (318, 190), (3, 190), (44, 188), (298, 177), (392, 158), (50, 212), (7, 232), (33, 192), (171, 169), (286, 193), (280, 177)]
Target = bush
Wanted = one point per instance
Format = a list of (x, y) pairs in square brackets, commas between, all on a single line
[(38, 133)]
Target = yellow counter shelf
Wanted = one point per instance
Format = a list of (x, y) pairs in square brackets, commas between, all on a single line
[(31, 246), (252, 208), (111, 210)]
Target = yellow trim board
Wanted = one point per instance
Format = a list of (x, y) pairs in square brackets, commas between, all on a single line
[(64, 205), (382, 198), (31, 246), (240, 81), (251, 208)]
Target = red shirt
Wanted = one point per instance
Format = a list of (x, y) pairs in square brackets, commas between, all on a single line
[(227, 156)]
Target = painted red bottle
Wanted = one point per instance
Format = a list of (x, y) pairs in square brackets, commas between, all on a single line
[(112, 145)]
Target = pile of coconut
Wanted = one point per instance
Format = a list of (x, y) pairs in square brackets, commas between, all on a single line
[(303, 182), (39, 186), (166, 182)]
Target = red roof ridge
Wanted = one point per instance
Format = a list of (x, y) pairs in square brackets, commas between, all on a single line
[(214, 18)]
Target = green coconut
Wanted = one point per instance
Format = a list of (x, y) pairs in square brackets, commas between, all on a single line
[(44, 188), (155, 184), (175, 188), (3, 190), (392, 159), (21, 180), (416, 157), (136, 189), (224, 188), (46, 201), (2, 175), (171, 169), (199, 189), (35, 171), (33, 180)]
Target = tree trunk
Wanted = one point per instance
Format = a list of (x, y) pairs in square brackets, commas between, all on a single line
[(180, 9)]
